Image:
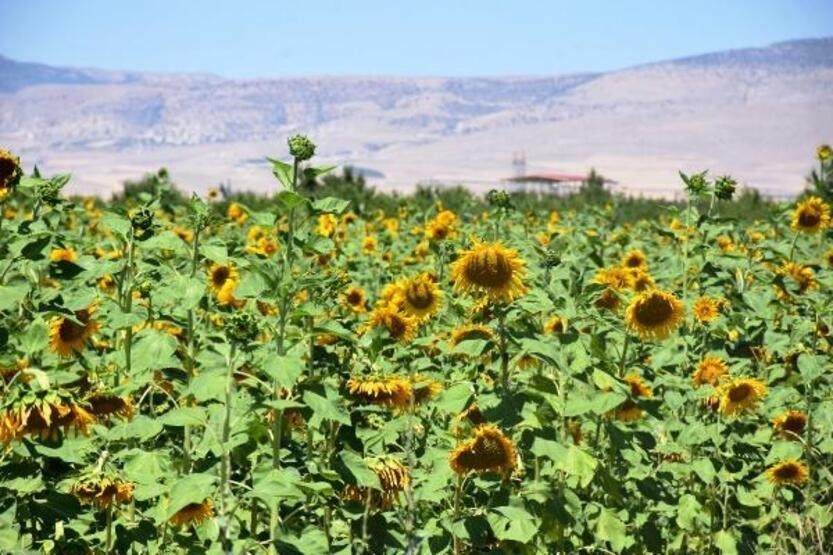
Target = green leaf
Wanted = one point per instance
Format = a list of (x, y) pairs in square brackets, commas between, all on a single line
[(282, 171), (194, 488), (285, 370), (330, 204), (689, 512), (611, 529), (704, 469), (154, 350), (726, 543), (324, 408), (278, 485), (208, 385), (252, 285), (289, 200), (454, 399), (117, 223), (184, 416), (513, 523), (36, 337), (363, 475), (810, 366), (12, 295)]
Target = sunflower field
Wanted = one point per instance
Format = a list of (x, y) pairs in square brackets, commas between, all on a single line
[(199, 376)]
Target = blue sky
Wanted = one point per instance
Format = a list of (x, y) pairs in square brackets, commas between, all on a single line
[(393, 37)]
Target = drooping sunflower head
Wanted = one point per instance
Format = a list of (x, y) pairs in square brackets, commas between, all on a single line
[(488, 450), (65, 255), (68, 336), (811, 215), (400, 326), (654, 314), (787, 472), (790, 424), (638, 386), (421, 296), (706, 310), (103, 492), (710, 371), (628, 411), (490, 269), (103, 404), (800, 275), (388, 391), (471, 331), (635, 259), (740, 395), (424, 388), (355, 299), (828, 257), (555, 325), (616, 278), (640, 280), (193, 513)]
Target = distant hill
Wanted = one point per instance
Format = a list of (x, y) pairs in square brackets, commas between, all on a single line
[(757, 113)]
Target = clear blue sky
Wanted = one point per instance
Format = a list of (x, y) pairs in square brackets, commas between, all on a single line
[(393, 37)]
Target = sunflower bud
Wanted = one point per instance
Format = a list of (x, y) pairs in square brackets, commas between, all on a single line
[(142, 219), (824, 152), (301, 148), (499, 199), (49, 192), (725, 187), (551, 258), (695, 185), (241, 327)]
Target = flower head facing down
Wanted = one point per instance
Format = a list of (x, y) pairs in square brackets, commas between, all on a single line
[(193, 513), (488, 450)]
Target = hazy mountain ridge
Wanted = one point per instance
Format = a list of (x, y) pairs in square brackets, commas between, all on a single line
[(725, 109)]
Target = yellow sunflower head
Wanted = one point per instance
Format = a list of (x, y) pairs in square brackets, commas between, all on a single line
[(790, 424), (355, 299), (654, 314), (628, 411), (635, 259), (237, 213), (488, 450), (103, 492), (389, 391), (811, 215), (421, 297), (193, 513), (400, 326), (68, 336), (640, 280), (424, 388), (369, 244), (638, 386), (824, 152), (616, 278), (706, 310), (471, 331), (710, 371), (828, 257), (223, 280), (802, 276), (490, 269), (66, 255), (740, 395), (791, 471), (326, 225), (555, 325)]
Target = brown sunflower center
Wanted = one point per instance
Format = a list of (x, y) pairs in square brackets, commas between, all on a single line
[(794, 423), (787, 472), (220, 275), (419, 295), (489, 268), (740, 392), (70, 331), (808, 218), (354, 298), (633, 261), (7, 170), (654, 311), (396, 326)]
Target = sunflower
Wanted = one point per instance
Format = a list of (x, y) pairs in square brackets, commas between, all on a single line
[(555, 325), (68, 336), (811, 215), (824, 152), (638, 386), (635, 259), (44, 419), (393, 476), (709, 371), (471, 331), (790, 471), (355, 299), (654, 314), (103, 492), (392, 391), (640, 280), (442, 227), (327, 224), (790, 424), (491, 269), (802, 276), (10, 172), (629, 410), (65, 255), (369, 244), (424, 388), (617, 278), (488, 450), (421, 297), (706, 309), (193, 513), (739, 395), (213, 194), (223, 280), (237, 213), (607, 300), (102, 404), (828, 257), (399, 326), (725, 244), (183, 233)]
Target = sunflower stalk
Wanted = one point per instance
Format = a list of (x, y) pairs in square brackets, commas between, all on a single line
[(192, 355), (225, 463), (127, 306)]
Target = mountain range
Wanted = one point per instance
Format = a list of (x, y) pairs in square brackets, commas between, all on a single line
[(755, 113)]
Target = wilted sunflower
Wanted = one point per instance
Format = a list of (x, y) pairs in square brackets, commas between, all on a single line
[(491, 269), (393, 477), (103, 492), (421, 297), (607, 300), (193, 513), (393, 391), (103, 404), (399, 326), (635, 259), (68, 336), (709, 371), (355, 299), (471, 331), (555, 325), (44, 420), (654, 314), (790, 424), (739, 395), (488, 450), (790, 471), (706, 309), (223, 280), (10, 172), (811, 215)]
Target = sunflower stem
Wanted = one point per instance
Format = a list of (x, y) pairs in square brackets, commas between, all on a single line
[(109, 540), (457, 495), (624, 356), (192, 363), (792, 245), (504, 353), (225, 464)]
